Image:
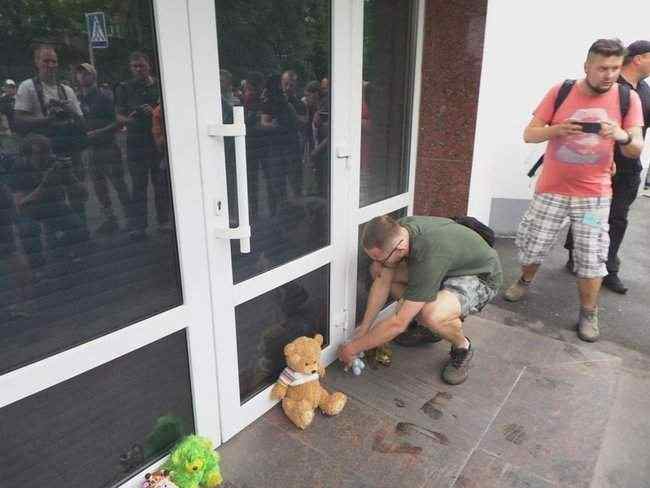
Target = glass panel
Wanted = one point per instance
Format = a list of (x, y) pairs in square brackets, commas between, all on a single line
[(275, 60), (364, 280), (268, 322), (388, 56), (99, 428), (87, 243)]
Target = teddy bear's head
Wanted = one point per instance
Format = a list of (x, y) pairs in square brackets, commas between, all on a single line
[(190, 456), (303, 354)]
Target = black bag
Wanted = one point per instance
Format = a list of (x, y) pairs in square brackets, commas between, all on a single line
[(479, 227), (565, 89)]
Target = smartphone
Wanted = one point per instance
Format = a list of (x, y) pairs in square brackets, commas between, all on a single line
[(590, 127)]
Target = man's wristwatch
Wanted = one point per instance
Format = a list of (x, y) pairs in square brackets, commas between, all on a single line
[(626, 141)]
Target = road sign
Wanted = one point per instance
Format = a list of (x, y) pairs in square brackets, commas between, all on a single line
[(97, 33)]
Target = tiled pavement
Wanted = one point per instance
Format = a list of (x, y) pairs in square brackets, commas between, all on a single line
[(533, 414)]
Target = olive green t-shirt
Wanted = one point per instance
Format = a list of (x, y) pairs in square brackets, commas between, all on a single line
[(440, 248)]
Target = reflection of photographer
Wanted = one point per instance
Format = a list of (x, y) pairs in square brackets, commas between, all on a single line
[(51, 109), (44, 186)]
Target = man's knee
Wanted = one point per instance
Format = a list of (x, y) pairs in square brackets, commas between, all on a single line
[(435, 317)]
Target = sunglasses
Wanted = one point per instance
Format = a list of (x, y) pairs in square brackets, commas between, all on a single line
[(383, 261)]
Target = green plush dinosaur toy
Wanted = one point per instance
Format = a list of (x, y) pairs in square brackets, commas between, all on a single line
[(194, 464)]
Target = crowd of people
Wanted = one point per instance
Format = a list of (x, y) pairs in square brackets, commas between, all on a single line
[(56, 139)]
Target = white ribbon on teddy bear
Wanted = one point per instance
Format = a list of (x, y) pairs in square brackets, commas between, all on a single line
[(289, 377)]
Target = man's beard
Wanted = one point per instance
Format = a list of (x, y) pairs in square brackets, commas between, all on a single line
[(597, 89)]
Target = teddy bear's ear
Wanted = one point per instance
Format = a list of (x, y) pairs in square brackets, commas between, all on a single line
[(319, 338), (289, 349)]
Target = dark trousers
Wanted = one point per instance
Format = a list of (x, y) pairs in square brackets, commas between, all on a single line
[(625, 187), (145, 162), (105, 166)]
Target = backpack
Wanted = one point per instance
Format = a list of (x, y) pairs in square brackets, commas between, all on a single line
[(563, 93), (477, 226)]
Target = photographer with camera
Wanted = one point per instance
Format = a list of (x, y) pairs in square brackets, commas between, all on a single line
[(135, 101), (43, 184), (49, 108)]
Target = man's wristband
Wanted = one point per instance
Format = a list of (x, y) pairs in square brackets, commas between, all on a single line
[(627, 141)]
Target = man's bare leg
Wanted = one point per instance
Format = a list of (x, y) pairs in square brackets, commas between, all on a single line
[(442, 316), (588, 289)]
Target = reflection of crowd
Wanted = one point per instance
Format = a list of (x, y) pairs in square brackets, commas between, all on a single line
[(287, 135), (51, 136)]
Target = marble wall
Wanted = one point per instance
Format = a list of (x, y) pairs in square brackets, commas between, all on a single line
[(451, 72)]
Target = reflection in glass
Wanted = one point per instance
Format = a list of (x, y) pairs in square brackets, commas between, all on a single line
[(58, 438), (364, 280), (267, 323), (83, 178), (275, 60), (388, 56)]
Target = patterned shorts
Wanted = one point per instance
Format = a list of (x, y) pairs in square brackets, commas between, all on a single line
[(545, 218), (473, 292)]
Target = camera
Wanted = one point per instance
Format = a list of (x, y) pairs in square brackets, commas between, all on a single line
[(57, 108)]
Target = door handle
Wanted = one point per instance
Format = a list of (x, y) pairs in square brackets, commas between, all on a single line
[(237, 130)]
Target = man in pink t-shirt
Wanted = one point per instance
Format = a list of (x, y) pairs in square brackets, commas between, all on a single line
[(575, 183)]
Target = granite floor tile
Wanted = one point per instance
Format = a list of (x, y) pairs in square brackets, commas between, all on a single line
[(381, 450), (485, 470), (264, 456), (554, 421)]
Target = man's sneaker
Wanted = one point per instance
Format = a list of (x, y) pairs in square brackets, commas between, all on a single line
[(588, 325), (457, 369), (517, 290), (416, 335), (614, 283), (109, 226)]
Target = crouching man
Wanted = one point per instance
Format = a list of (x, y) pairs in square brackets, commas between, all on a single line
[(440, 272)]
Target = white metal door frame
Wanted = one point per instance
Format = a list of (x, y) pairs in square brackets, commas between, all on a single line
[(195, 313)]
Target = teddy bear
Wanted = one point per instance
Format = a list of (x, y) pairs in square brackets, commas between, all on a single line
[(299, 387), (159, 479), (193, 463)]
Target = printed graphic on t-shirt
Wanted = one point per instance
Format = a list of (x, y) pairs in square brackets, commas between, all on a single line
[(584, 148)]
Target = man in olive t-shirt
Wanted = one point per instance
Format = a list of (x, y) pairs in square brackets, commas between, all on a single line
[(440, 272)]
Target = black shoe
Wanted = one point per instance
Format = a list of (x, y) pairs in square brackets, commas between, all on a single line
[(416, 335), (457, 369), (614, 283)]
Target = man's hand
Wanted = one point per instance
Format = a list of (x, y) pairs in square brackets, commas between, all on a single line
[(611, 130), (566, 128), (347, 353)]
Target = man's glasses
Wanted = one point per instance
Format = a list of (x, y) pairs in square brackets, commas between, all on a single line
[(383, 261)]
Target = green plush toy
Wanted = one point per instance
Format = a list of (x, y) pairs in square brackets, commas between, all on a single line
[(194, 464)]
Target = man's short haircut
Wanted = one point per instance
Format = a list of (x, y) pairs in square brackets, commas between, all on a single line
[(290, 73), (33, 140), (379, 232), (607, 48), (135, 55), (312, 87), (40, 48)]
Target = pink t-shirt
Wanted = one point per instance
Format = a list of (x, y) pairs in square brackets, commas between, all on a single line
[(581, 165)]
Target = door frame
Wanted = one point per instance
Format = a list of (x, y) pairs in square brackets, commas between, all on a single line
[(195, 312)]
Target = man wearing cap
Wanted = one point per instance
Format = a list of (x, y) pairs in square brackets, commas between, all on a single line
[(105, 157), (626, 181), (576, 179)]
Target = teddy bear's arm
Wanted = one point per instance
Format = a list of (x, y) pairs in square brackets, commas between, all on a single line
[(279, 391), (321, 370)]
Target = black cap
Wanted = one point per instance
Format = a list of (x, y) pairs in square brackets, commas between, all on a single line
[(637, 48)]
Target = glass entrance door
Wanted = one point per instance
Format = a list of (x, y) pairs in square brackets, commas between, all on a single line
[(271, 97)]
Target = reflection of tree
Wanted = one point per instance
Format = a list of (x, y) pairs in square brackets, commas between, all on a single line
[(62, 23), (270, 36)]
